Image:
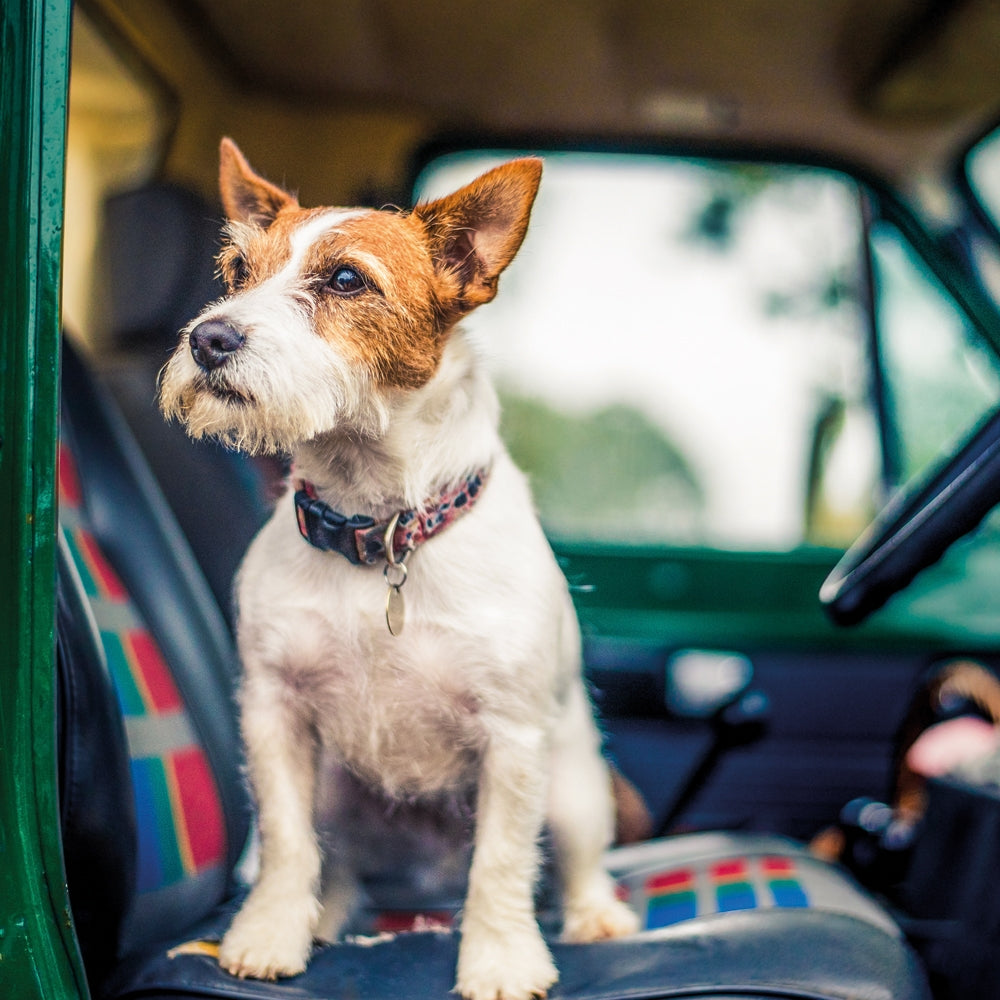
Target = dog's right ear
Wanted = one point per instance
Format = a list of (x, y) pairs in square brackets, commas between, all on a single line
[(246, 196)]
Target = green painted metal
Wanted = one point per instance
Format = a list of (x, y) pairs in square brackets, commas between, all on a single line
[(752, 600), (38, 953)]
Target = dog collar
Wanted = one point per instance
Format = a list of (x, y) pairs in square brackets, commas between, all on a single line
[(362, 540)]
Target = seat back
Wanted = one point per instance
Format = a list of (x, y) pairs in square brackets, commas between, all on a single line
[(144, 650), (94, 783)]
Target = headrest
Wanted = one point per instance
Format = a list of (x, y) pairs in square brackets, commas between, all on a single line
[(157, 253)]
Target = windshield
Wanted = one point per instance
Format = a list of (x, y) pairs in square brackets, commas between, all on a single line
[(681, 348)]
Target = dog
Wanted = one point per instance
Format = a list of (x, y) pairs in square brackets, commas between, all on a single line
[(407, 638)]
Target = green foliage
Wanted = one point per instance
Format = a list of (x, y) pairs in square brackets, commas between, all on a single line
[(718, 223), (730, 189), (604, 474)]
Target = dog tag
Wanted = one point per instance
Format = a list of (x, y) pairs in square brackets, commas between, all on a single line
[(395, 609), (395, 577)]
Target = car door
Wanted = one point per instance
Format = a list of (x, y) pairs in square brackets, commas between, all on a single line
[(38, 956), (714, 373)]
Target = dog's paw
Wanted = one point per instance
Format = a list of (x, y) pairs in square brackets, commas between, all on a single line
[(598, 920), (504, 965), (268, 939)]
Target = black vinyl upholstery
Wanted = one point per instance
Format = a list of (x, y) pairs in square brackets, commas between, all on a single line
[(94, 781), (157, 248), (773, 954), (140, 537), (137, 534)]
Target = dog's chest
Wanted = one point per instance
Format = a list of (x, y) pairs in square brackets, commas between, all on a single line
[(411, 714), (403, 714)]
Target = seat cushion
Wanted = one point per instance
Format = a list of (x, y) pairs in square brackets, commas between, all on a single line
[(813, 934), (772, 953)]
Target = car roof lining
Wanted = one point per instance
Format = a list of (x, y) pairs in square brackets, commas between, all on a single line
[(895, 87)]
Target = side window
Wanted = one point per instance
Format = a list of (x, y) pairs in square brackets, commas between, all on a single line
[(940, 379), (119, 119), (681, 349)]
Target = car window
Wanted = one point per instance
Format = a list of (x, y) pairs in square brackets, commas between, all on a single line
[(983, 172), (119, 120), (681, 349), (940, 377)]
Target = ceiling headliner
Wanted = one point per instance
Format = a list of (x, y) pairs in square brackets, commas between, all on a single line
[(893, 86), (633, 67)]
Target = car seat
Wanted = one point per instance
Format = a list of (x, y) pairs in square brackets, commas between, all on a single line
[(155, 815)]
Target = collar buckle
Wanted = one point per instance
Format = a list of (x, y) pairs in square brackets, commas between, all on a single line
[(325, 528)]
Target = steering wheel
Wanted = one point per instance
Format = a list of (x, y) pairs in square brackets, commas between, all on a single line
[(917, 527)]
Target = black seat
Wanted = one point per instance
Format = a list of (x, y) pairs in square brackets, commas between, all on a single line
[(155, 816), (136, 618)]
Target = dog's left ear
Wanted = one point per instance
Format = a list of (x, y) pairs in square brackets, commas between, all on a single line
[(476, 231)]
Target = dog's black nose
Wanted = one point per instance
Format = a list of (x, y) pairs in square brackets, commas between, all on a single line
[(213, 341)]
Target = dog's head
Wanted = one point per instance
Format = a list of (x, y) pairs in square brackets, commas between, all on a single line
[(331, 311)]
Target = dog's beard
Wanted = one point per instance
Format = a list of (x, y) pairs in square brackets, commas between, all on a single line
[(260, 406)]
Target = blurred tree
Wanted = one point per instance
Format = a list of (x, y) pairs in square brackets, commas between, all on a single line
[(730, 193), (609, 473), (730, 189)]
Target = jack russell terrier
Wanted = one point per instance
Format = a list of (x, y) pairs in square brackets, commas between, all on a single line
[(407, 639)]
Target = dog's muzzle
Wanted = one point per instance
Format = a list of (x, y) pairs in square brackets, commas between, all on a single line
[(213, 342)]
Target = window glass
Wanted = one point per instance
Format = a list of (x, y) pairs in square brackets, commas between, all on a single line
[(119, 119), (681, 350), (983, 169), (941, 379)]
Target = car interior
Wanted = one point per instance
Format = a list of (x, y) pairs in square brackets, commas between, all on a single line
[(749, 357)]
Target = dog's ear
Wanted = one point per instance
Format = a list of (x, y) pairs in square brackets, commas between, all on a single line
[(476, 231), (246, 196)]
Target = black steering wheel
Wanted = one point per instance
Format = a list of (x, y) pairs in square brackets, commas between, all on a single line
[(916, 527)]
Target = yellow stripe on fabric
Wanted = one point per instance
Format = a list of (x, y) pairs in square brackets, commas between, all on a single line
[(180, 820)]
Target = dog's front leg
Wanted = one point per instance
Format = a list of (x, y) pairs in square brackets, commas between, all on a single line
[(581, 820), (502, 955), (272, 934)]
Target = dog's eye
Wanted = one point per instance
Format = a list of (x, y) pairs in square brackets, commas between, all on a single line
[(345, 280), (237, 272)]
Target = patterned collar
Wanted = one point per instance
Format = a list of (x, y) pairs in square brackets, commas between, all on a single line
[(361, 540)]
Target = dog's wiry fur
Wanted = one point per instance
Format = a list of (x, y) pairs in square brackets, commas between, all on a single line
[(382, 402)]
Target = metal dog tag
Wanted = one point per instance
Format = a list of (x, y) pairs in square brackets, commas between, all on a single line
[(395, 577), (395, 609)]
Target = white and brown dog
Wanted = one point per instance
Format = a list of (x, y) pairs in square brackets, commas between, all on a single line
[(337, 344)]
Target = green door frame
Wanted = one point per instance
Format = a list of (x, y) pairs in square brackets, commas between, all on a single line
[(38, 951)]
